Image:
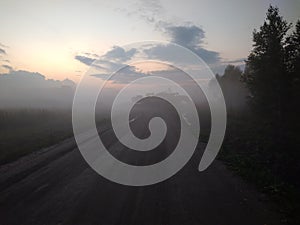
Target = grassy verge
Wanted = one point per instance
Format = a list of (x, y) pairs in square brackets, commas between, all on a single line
[(254, 157), (25, 131)]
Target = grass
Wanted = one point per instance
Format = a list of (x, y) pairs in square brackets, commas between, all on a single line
[(255, 157), (25, 131)]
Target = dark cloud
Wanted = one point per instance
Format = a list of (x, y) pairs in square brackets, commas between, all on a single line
[(188, 36), (88, 61), (7, 67), (164, 52), (85, 60), (210, 57), (2, 51), (112, 60), (119, 54), (191, 37)]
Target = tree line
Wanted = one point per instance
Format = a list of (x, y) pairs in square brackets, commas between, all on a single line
[(265, 146)]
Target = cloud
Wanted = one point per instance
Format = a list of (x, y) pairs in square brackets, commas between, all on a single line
[(123, 76), (150, 10), (85, 60), (4, 46), (119, 54), (164, 52), (147, 10), (186, 34), (88, 60), (189, 36), (112, 60), (192, 37), (103, 76), (117, 58), (7, 67), (210, 57), (24, 89), (2, 51)]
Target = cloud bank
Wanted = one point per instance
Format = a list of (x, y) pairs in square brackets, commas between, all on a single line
[(23, 89)]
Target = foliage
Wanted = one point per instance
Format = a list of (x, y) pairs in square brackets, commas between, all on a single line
[(264, 147), (265, 73)]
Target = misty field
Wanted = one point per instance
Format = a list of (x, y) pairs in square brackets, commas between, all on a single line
[(23, 131)]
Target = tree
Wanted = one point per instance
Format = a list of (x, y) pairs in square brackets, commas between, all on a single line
[(269, 83), (293, 63), (265, 73), (233, 89), (272, 75), (293, 52)]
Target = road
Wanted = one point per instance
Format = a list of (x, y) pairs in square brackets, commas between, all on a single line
[(56, 186)]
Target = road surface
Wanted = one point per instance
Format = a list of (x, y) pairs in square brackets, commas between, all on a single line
[(56, 186)]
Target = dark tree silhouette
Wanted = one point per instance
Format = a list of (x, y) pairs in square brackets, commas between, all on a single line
[(293, 52), (293, 64), (264, 147), (265, 72), (272, 76)]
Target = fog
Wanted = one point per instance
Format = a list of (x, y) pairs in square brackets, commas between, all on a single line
[(23, 89)]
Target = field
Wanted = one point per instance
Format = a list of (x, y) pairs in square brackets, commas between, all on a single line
[(23, 131)]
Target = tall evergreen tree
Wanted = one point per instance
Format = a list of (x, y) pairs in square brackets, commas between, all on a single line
[(293, 53), (265, 73), (293, 64)]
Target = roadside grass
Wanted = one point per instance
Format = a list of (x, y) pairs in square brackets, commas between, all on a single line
[(24, 131), (247, 152)]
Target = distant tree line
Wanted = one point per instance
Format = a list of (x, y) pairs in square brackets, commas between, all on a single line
[(234, 91)]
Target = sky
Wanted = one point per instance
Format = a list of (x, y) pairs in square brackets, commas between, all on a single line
[(60, 39)]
